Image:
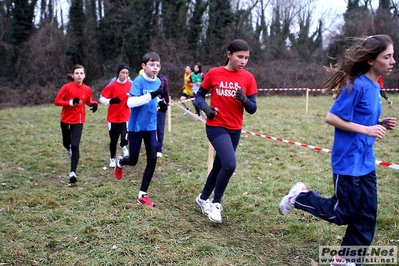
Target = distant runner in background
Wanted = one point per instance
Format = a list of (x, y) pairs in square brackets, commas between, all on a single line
[(161, 114), (196, 78), (383, 94), (187, 92)]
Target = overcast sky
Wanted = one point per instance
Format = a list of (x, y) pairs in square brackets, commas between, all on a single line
[(332, 10)]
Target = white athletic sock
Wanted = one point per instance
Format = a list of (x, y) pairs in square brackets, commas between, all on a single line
[(141, 194)]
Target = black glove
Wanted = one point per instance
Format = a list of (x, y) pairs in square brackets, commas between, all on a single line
[(209, 111), (75, 101), (94, 107), (115, 100), (161, 92), (240, 95), (163, 107)]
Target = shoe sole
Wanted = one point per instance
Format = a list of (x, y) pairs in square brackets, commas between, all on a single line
[(280, 206), (293, 189), (69, 154), (202, 210), (140, 203), (73, 180), (213, 220)]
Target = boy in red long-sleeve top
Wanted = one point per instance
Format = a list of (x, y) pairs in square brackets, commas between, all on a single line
[(72, 97), (115, 97)]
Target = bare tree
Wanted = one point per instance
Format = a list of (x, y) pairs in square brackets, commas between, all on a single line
[(44, 50), (261, 31), (285, 16)]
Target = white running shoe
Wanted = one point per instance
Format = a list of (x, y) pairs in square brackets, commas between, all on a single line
[(112, 162), (187, 111), (159, 154), (125, 151), (204, 204), (215, 212), (288, 202), (69, 153), (390, 103), (72, 178)]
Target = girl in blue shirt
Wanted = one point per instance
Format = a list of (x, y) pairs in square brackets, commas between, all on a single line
[(355, 116)]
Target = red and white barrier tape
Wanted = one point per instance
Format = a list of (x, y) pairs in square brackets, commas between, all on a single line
[(387, 164), (196, 117), (287, 89), (287, 141), (176, 103), (379, 163), (304, 89), (275, 89), (188, 100)]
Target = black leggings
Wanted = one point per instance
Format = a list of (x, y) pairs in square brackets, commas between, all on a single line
[(197, 109), (225, 143), (150, 143), (116, 130), (383, 94), (71, 135)]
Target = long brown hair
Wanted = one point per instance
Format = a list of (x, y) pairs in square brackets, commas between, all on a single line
[(355, 62)]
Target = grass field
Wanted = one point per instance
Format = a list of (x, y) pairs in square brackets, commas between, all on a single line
[(97, 222)]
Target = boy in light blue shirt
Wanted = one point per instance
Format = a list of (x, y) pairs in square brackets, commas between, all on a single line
[(142, 125)]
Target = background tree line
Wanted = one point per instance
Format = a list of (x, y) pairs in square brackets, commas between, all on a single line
[(38, 48)]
